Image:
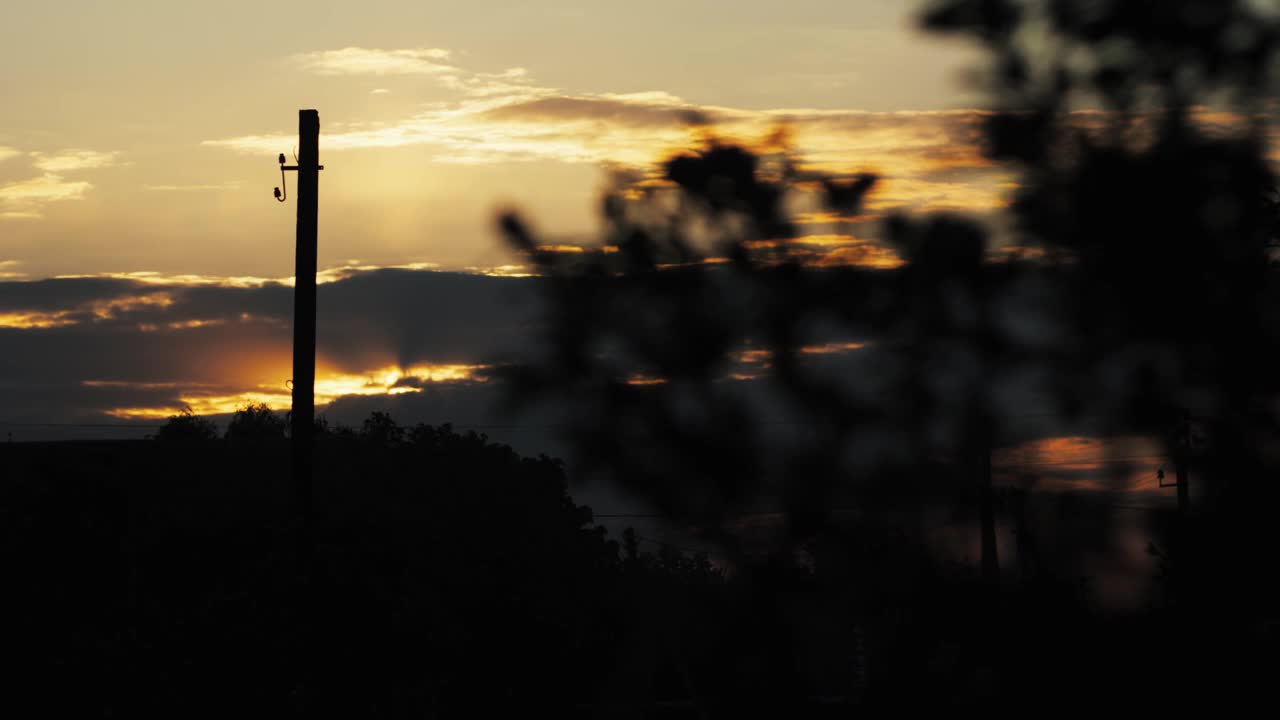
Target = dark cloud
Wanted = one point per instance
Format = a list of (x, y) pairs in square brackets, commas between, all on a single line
[(414, 317), (150, 356), (63, 293), (217, 338), (624, 112)]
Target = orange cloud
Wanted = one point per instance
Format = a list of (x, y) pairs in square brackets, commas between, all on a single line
[(831, 250), (100, 309), (328, 275), (36, 320), (330, 385), (1085, 463)]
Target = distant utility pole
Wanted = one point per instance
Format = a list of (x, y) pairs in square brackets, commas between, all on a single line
[(1022, 533), (302, 417), (990, 559), (1181, 456), (1181, 453)]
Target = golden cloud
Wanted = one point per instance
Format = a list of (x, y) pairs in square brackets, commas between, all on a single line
[(367, 61), (93, 310), (46, 188), (10, 274), (110, 308), (506, 117), (31, 320), (26, 198), (72, 160), (328, 275), (831, 250), (329, 386)]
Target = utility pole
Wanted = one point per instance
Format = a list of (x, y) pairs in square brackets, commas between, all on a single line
[(1181, 436), (1181, 451), (1022, 533), (304, 315), (302, 416), (990, 560)]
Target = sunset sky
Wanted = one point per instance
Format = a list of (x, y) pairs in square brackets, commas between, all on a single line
[(142, 136), (144, 264)]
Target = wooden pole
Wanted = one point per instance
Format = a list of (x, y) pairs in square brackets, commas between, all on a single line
[(990, 559), (302, 418), (1025, 544), (1182, 448)]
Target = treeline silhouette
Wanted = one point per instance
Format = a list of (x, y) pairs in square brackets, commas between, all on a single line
[(452, 577), (449, 574)]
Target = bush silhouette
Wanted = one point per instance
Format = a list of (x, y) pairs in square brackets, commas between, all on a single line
[(186, 426), (255, 422)]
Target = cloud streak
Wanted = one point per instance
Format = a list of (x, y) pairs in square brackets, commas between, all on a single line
[(928, 160), (193, 188), (27, 198), (508, 117), (372, 61), (72, 160)]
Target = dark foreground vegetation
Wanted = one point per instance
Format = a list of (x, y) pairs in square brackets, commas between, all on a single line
[(167, 575), (450, 577), (1133, 284)]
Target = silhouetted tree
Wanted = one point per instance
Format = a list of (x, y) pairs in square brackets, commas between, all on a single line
[(648, 335), (452, 576), (380, 429), (1143, 284), (630, 547), (255, 422), (1161, 206), (187, 426)]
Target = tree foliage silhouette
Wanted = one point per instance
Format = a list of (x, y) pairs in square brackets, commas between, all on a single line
[(1142, 284), (647, 342), (452, 575), (1162, 202), (255, 422), (187, 426), (1143, 287)]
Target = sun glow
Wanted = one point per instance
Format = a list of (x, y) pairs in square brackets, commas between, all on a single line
[(329, 387)]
